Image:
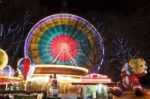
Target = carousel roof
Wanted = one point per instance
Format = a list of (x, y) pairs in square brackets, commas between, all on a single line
[(93, 79)]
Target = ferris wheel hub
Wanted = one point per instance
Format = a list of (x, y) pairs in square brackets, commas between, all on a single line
[(65, 47)]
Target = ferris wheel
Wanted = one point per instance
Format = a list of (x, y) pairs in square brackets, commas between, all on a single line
[(64, 39)]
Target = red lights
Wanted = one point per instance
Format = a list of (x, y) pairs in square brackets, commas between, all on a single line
[(64, 46)]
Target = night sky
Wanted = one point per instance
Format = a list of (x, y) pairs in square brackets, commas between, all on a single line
[(130, 18)]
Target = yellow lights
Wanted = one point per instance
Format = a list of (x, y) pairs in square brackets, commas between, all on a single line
[(60, 78), (40, 78), (7, 80), (3, 58), (65, 47), (60, 69), (64, 83)]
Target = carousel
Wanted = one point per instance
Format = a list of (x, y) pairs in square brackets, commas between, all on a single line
[(64, 45), (59, 53)]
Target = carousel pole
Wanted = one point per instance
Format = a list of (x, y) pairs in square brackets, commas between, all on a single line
[(6, 87), (25, 85)]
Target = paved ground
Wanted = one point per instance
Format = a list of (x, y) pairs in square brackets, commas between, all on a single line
[(130, 95)]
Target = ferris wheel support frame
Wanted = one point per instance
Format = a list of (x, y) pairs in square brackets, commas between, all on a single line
[(68, 56)]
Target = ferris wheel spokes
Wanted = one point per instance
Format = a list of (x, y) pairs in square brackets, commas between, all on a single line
[(68, 54)]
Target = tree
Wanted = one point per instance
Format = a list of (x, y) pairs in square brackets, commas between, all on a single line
[(120, 55), (13, 36)]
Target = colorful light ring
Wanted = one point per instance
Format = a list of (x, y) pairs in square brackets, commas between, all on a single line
[(83, 35)]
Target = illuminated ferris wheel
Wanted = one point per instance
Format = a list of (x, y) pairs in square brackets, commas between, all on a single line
[(64, 39)]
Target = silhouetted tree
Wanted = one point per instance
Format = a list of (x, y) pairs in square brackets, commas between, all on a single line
[(12, 37), (121, 54)]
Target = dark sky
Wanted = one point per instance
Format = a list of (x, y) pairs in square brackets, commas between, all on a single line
[(130, 18)]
